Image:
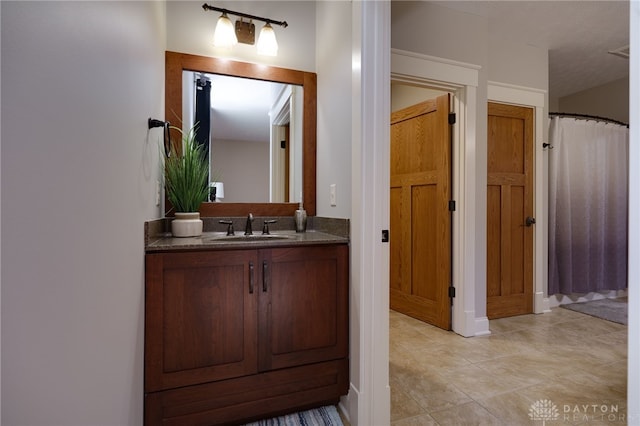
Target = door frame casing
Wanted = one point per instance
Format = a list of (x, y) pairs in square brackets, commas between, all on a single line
[(532, 98), (460, 79)]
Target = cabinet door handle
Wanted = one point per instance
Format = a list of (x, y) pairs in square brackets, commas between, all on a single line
[(265, 275), (251, 277)]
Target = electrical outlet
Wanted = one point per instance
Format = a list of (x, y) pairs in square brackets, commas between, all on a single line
[(332, 194), (158, 192)]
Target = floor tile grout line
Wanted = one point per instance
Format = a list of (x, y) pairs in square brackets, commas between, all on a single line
[(538, 330)]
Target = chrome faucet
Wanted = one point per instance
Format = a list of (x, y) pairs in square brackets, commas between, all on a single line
[(247, 227)]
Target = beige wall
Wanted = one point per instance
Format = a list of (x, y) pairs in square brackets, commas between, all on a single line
[(79, 173), (610, 100), (244, 167), (518, 64)]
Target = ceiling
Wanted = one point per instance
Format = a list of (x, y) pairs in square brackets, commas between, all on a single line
[(578, 34)]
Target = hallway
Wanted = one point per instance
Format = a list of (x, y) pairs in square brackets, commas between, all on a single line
[(571, 363)]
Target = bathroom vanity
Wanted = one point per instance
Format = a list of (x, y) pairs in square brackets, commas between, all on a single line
[(239, 329)]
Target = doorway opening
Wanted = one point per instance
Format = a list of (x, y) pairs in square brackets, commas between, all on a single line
[(421, 203), (461, 80)]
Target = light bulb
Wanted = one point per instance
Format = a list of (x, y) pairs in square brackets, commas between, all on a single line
[(225, 34), (267, 44)]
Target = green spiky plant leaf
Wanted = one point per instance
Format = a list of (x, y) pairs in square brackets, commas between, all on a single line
[(187, 175)]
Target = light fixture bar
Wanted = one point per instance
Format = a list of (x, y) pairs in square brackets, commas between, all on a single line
[(245, 15)]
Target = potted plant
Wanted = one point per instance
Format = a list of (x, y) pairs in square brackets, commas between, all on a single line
[(187, 186)]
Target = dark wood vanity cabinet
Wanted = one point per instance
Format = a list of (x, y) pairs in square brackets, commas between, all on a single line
[(237, 335)]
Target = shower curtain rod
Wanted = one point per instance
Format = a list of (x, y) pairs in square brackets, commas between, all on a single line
[(588, 117)]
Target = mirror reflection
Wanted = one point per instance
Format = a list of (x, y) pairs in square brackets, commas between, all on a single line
[(176, 63), (254, 132)]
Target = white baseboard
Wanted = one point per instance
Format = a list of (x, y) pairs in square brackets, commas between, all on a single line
[(464, 323), (342, 407), (482, 327), (348, 405), (565, 299), (540, 303)]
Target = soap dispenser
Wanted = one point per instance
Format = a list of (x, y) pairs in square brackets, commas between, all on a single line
[(301, 218)]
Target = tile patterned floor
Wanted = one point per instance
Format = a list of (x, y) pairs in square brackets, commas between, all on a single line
[(529, 366)]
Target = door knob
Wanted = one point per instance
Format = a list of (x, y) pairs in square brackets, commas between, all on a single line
[(530, 221)]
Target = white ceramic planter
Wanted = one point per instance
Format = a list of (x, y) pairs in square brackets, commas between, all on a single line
[(186, 225)]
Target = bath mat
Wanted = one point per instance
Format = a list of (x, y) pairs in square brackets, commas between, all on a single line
[(614, 310), (323, 416)]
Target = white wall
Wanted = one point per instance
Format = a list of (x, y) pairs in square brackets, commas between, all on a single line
[(334, 148), (633, 354), (190, 30), (0, 233), (369, 398), (423, 27), (79, 167), (610, 100), (333, 58)]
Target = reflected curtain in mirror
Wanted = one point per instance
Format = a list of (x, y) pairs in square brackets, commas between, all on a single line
[(202, 117)]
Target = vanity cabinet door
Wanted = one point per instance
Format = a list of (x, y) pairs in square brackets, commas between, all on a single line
[(201, 317), (303, 305)]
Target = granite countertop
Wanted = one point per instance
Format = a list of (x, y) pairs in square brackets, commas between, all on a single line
[(319, 231)]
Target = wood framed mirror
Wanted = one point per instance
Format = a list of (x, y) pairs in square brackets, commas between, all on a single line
[(176, 63)]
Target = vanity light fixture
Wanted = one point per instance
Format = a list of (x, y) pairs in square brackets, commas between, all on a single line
[(225, 36), (267, 44)]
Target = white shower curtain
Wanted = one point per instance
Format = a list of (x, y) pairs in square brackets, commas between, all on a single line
[(588, 198)]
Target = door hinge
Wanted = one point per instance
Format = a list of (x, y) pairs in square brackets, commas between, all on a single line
[(452, 291), (452, 118), (385, 235), (452, 205)]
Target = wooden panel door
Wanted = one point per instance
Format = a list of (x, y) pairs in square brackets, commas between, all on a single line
[(509, 205), (200, 318), (420, 234), (304, 296)]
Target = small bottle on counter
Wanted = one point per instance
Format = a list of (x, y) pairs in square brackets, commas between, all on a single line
[(301, 218)]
